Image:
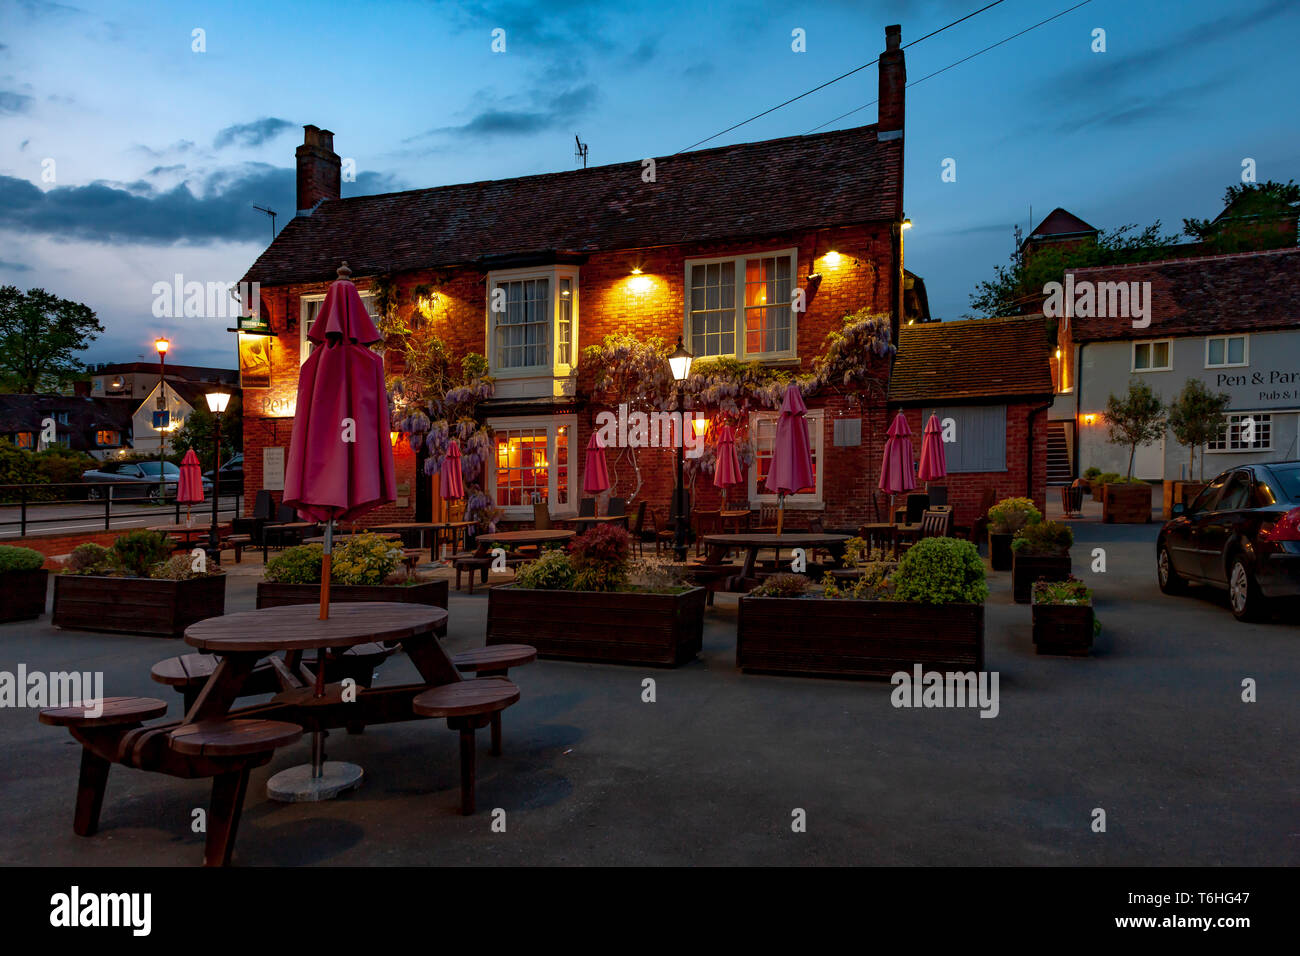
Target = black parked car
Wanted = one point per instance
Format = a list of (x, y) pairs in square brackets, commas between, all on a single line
[(135, 479), (232, 475), (1241, 534)]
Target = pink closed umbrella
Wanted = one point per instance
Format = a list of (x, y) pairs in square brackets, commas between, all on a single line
[(595, 474), (791, 469), (451, 484), (189, 487), (727, 470), (340, 462), (933, 465), (896, 472)]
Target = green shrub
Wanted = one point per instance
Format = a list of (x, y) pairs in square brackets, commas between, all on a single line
[(783, 585), (600, 558), (941, 571), (300, 565), (1108, 478), (136, 552), (180, 567), (1046, 537), (364, 559), (1011, 514), (552, 571), (1092, 473), (1069, 591), (90, 558), (19, 559)]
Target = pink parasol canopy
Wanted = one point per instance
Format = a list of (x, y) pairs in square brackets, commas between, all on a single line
[(340, 462), (933, 464), (896, 473), (726, 471), (189, 487), (791, 468), (451, 484), (595, 475)]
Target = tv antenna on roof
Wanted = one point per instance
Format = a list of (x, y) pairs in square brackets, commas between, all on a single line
[(270, 212), (580, 152)]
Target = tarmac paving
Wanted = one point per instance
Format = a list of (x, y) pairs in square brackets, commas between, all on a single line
[(1151, 729)]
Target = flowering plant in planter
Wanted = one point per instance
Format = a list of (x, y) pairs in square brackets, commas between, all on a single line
[(1069, 591), (363, 559), (1011, 514), (1045, 537)]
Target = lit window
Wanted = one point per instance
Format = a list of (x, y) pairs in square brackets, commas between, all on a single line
[(533, 321), (1247, 431), (24, 439), (309, 307), (1152, 356), (105, 438), (762, 431), (749, 292), (1222, 351), (531, 464)]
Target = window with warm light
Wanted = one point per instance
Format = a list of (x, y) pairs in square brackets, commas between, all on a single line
[(748, 294), (309, 307), (762, 430), (107, 438), (530, 464), (24, 439), (532, 321)]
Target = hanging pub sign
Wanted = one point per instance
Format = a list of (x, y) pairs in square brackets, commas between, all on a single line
[(254, 360)]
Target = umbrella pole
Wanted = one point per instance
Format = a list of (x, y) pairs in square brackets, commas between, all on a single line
[(780, 512), (325, 571)]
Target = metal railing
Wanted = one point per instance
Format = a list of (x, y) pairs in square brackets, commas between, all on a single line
[(97, 501)]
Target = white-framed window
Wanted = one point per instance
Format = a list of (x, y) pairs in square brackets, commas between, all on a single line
[(309, 307), (532, 321), (1156, 355), (740, 306), (1227, 351), (762, 430), (1244, 431), (532, 462)]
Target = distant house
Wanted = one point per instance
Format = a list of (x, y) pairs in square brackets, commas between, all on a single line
[(101, 427), (138, 379), (179, 401)]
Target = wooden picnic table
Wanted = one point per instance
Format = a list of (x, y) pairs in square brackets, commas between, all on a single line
[(320, 538), (887, 534), (403, 528), (526, 536), (737, 519), (586, 521), (185, 531), (754, 542)]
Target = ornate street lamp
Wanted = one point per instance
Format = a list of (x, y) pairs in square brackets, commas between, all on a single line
[(217, 402), (680, 363), (161, 344)]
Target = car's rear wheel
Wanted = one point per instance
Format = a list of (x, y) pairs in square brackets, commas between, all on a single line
[(1243, 593), (1170, 582)]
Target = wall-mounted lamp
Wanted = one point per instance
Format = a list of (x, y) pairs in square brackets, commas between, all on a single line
[(832, 259), (639, 282), (907, 223), (1058, 355), (1089, 419)]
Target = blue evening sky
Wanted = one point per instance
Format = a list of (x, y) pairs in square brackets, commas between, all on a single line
[(157, 152)]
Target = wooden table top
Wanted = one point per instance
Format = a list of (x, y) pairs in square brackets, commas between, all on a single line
[(291, 524), (739, 513), (790, 539), (297, 627), (198, 526), (408, 526), (601, 518), (528, 536), (320, 538)]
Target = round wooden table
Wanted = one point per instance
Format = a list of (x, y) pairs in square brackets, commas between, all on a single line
[(527, 536), (243, 638), (720, 544)]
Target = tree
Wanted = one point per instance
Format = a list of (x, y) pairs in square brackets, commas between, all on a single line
[(198, 433), (1136, 419), (1196, 417), (39, 334), (1017, 289), (1255, 216)]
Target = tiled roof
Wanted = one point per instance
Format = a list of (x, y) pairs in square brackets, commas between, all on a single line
[(971, 360), (86, 415), (1250, 291), (754, 189), (1061, 222)]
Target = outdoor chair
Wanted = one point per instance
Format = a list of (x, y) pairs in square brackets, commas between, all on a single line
[(916, 505), (263, 505), (938, 495), (663, 534), (617, 508), (705, 522), (766, 518), (638, 530), (541, 516)]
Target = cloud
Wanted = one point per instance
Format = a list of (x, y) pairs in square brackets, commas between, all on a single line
[(15, 103), (542, 114), (44, 8), (1144, 107), (6, 266), (180, 146), (251, 134), (645, 51), (137, 212)]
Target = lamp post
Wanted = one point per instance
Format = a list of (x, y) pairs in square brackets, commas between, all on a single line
[(161, 344), (217, 402), (680, 363)]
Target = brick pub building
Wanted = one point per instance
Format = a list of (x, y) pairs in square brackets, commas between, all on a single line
[(710, 249)]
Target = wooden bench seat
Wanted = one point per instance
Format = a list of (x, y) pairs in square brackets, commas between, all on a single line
[(494, 661), (239, 542), (233, 738), (467, 705), (188, 673), (474, 564), (116, 712)]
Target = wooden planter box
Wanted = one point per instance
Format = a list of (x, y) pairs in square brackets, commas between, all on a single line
[(1000, 551), (1126, 503), (272, 594), (625, 627), (1183, 492), (848, 638), (136, 605), (24, 594), (1063, 629), (1096, 488), (1028, 568)]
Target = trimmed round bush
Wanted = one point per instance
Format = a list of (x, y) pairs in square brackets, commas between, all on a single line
[(941, 571), (552, 571), (19, 559)]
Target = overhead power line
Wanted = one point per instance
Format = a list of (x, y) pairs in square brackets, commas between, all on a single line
[(957, 63), (842, 76)]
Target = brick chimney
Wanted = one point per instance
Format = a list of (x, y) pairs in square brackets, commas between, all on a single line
[(318, 169), (893, 81)]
